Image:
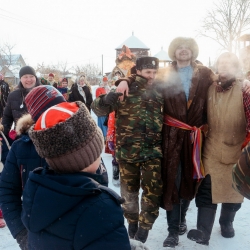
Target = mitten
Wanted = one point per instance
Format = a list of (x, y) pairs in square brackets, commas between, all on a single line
[(111, 98), (22, 239), (247, 139)]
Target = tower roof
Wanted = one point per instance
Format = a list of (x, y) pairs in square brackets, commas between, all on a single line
[(133, 43), (162, 55)]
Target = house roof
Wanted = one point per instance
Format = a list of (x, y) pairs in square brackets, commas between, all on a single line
[(133, 43), (162, 55)]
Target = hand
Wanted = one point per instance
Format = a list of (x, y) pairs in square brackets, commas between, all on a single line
[(22, 239), (111, 98), (246, 86), (122, 88)]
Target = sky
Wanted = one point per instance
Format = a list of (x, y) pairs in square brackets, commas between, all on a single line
[(78, 32)]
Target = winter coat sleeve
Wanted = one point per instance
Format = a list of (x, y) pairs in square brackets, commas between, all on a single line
[(241, 173), (11, 193), (104, 222), (7, 117), (100, 109)]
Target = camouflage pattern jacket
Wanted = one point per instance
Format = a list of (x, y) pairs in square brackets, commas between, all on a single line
[(139, 121)]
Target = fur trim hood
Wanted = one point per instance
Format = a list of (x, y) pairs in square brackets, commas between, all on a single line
[(24, 124)]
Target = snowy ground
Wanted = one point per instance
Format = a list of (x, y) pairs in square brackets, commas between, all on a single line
[(241, 241)]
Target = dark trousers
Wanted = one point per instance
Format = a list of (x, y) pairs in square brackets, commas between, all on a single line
[(204, 197)]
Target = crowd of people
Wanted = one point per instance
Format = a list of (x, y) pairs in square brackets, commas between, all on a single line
[(179, 133)]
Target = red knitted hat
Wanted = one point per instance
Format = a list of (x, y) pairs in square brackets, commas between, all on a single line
[(105, 79), (51, 74), (67, 137), (41, 98)]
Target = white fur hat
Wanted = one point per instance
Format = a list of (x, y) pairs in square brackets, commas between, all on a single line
[(188, 41)]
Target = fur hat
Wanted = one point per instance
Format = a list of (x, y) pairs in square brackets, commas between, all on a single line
[(41, 98), (188, 41), (51, 74), (27, 70), (67, 137), (147, 62)]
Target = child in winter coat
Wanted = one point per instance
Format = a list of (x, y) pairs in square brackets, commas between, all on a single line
[(65, 207)]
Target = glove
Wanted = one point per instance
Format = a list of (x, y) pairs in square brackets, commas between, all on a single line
[(22, 239), (111, 98), (247, 139)]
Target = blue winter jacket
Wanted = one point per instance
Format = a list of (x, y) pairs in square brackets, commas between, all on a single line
[(21, 159), (72, 211)]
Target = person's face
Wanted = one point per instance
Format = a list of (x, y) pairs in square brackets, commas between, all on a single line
[(50, 78), (1, 77), (92, 168), (105, 83), (248, 77), (226, 68), (81, 81), (64, 84), (28, 81), (149, 74), (183, 53)]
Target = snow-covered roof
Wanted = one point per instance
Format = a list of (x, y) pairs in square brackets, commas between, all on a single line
[(162, 55), (133, 43)]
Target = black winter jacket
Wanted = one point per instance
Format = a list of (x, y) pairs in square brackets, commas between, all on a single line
[(72, 211), (76, 96), (15, 107)]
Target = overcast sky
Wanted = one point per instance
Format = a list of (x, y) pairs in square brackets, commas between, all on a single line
[(81, 31)]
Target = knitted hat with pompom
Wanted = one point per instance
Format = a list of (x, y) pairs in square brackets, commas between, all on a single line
[(67, 137)]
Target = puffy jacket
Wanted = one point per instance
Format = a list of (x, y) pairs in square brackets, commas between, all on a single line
[(22, 158), (15, 107), (72, 211)]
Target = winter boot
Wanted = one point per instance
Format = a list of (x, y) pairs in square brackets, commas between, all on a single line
[(141, 234), (226, 222), (115, 180), (173, 218), (2, 222), (205, 222), (183, 225), (132, 229)]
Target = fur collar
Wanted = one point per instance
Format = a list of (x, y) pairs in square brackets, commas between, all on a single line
[(23, 124)]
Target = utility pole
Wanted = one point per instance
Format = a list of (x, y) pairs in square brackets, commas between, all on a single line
[(102, 65)]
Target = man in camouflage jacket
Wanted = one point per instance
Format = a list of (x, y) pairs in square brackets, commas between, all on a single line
[(139, 121)]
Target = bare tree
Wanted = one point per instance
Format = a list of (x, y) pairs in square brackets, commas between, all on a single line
[(226, 22), (91, 72), (6, 55)]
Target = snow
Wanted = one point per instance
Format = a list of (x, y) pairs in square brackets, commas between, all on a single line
[(157, 235)]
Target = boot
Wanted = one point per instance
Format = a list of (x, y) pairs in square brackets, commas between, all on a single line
[(132, 229), (205, 222), (141, 234), (173, 218), (115, 180), (2, 222), (226, 222), (183, 225)]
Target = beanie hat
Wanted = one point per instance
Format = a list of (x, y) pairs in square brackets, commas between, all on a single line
[(147, 62), (105, 79), (51, 74), (188, 41), (41, 98), (27, 70), (67, 137), (64, 80)]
